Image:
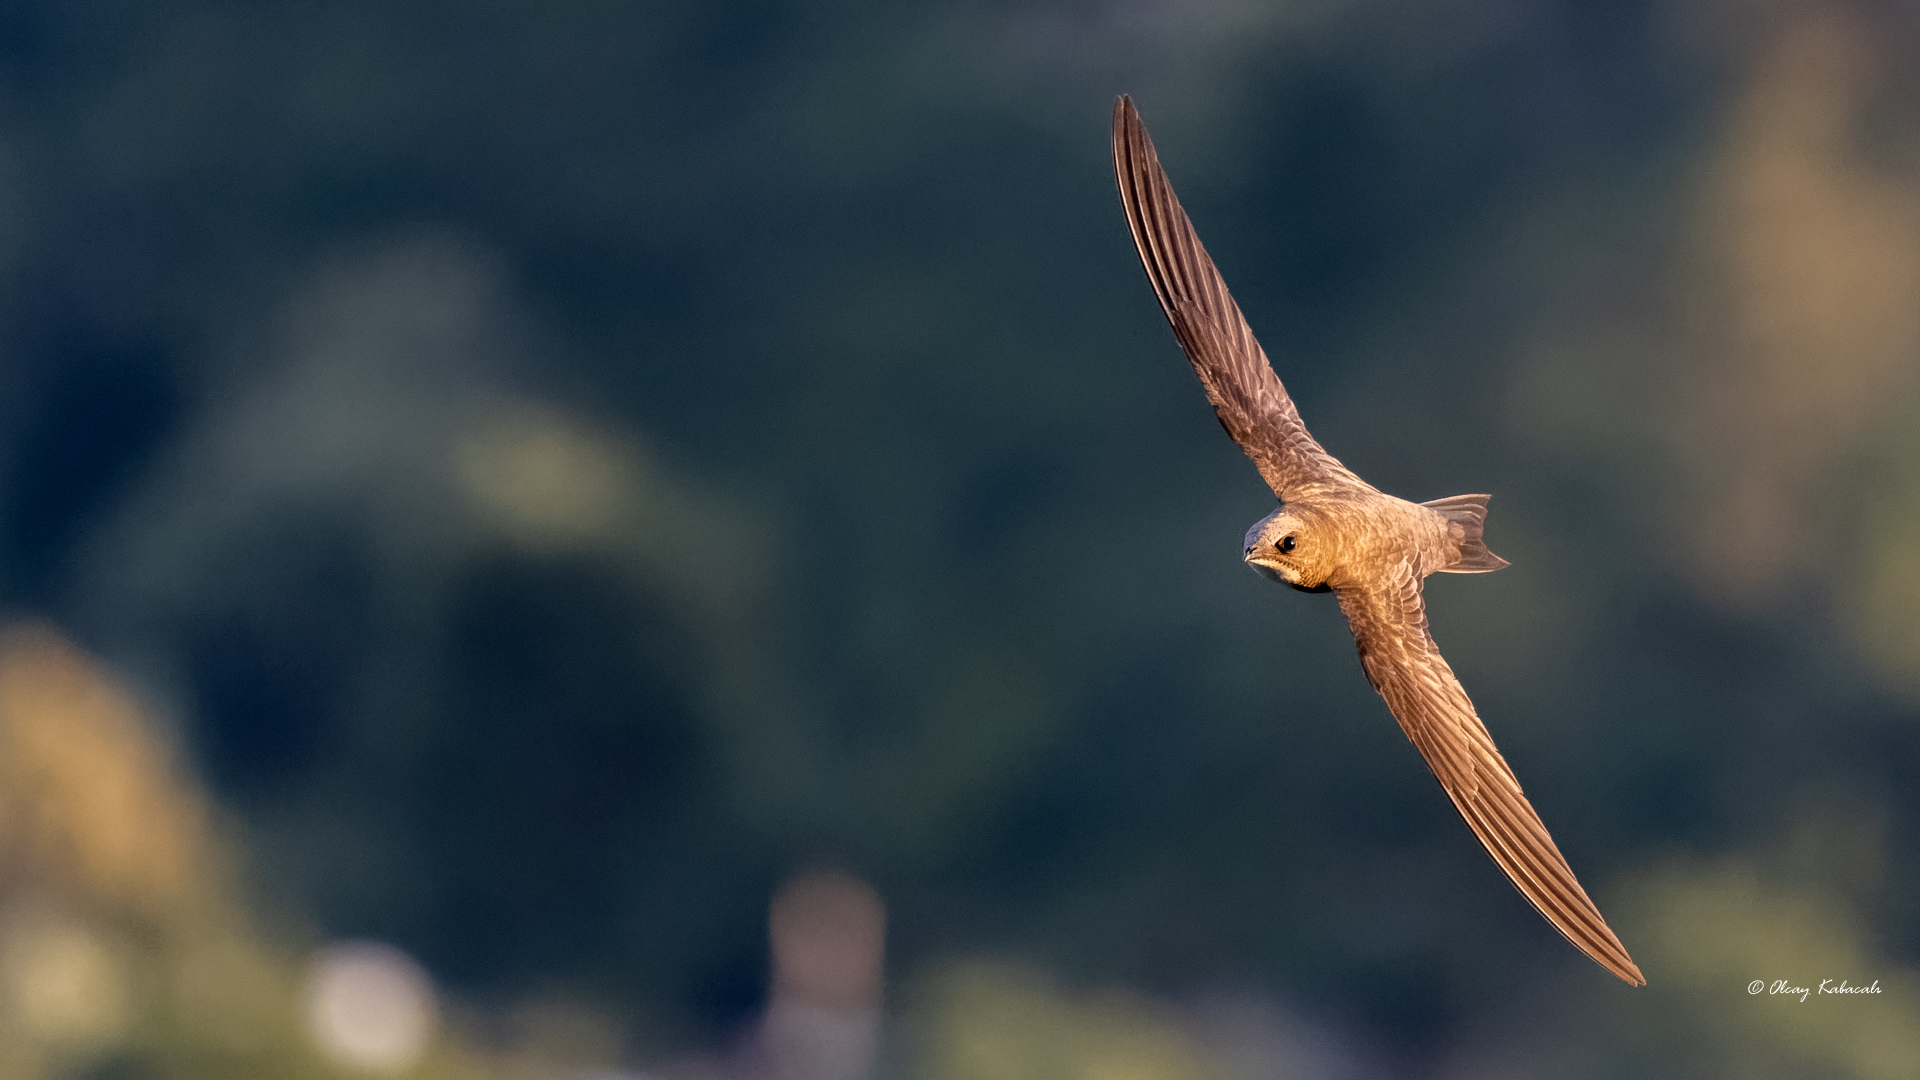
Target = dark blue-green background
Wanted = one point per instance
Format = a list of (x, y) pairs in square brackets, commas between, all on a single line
[(921, 558)]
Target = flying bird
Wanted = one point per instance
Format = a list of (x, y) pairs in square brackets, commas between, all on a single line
[(1334, 532)]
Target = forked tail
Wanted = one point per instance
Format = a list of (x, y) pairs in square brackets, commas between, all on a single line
[(1468, 513)]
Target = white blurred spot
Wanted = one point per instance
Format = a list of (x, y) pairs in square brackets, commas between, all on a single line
[(370, 1007)]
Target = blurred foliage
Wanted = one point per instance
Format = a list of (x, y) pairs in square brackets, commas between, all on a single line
[(124, 947), (557, 469), (1006, 1024)]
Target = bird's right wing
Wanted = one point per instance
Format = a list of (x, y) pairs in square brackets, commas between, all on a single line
[(1389, 622), (1246, 394)]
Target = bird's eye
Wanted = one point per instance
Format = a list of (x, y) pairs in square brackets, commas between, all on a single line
[(1286, 544)]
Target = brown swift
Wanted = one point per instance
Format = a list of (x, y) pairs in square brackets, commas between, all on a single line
[(1335, 532)]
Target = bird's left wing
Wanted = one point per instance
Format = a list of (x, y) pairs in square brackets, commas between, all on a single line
[(1246, 394), (1389, 622)]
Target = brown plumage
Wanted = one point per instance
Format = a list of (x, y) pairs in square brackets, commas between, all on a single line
[(1335, 532)]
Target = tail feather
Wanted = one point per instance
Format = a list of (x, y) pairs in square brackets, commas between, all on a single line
[(1469, 513)]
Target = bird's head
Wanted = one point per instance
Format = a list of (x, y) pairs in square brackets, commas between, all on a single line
[(1283, 547)]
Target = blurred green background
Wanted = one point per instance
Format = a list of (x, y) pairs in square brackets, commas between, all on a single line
[(520, 481)]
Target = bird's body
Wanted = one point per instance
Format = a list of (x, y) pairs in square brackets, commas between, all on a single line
[(1334, 532), (1340, 539)]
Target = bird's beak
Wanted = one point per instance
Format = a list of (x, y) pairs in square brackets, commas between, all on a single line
[(1266, 568)]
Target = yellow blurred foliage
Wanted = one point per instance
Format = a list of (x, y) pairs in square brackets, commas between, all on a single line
[(88, 798), (1739, 938), (125, 943), (549, 483), (1879, 603), (1806, 324), (1763, 390), (1000, 1022), (64, 986)]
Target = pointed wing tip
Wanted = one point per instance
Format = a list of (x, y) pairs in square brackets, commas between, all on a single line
[(1126, 119), (1629, 973)]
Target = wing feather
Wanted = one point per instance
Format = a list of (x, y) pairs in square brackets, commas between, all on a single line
[(1389, 623), (1247, 396)]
